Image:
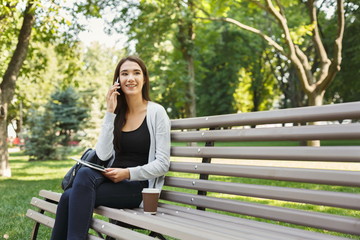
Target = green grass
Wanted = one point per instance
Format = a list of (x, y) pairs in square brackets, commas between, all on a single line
[(16, 192)]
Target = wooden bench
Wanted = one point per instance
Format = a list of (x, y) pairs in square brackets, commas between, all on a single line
[(231, 180)]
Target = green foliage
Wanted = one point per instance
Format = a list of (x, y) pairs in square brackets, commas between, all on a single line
[(68, 113), (41, 141), (218, 73), (55, 125), (346, 85)]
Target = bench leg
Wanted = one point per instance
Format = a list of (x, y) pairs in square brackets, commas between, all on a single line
[(158, 235), (36, 228)]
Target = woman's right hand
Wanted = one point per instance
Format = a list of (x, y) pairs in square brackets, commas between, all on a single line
[(111, 98)]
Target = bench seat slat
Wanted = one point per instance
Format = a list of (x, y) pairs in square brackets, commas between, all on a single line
[(299, 153), (219, 226), (318, 176), (208, 227), (312, 219), (44, 205), (49, 222), (158, 224), (326, 198), (311, 132), (117, 232), (228, 220), (55, 196), (41, 218), (299, 115), (251, 230), (209, 224), (97, 225)]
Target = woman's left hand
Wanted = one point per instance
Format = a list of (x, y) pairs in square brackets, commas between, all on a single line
[(117, 174)]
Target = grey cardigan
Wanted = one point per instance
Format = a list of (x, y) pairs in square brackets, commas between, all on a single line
[(159, 154)]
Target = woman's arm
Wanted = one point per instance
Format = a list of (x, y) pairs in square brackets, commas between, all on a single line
[(104, 146)]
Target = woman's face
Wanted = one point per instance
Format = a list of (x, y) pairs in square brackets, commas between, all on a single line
[(131, 78)]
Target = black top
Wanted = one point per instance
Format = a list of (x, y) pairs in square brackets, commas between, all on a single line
[(135, 147)]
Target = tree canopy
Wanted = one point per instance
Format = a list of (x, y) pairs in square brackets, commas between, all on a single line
[(204, 56)]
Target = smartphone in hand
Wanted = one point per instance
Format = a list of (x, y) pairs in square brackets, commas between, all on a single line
[(118, 81)]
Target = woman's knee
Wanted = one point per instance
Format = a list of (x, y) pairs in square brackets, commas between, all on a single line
[(87, 176), (64, 199)]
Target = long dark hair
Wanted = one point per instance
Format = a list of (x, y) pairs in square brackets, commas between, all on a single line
[(122, 105)]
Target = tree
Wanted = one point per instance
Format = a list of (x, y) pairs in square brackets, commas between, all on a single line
[(346, 85), (41, 23), (7, 86), (68, 113), (164, 33), (41, 141), (316, 70)]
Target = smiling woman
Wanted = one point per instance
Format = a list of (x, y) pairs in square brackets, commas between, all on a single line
[(135, 138)]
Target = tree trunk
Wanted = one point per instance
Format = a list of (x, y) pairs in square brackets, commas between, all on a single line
[(7, 86), (5, 170), (186, 37), (315, 99), (192, 94)]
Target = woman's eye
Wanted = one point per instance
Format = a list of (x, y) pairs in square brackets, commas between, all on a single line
[(124, 74)]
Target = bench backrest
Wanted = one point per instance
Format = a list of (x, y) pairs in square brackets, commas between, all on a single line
[(227, 164)]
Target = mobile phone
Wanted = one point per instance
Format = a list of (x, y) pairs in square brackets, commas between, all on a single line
[(118, 81)]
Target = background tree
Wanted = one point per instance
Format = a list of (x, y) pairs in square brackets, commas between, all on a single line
[(30, 23), (162, 33), (314, 80), (41, 142), (346, 85), (7, 85), (68, 112)]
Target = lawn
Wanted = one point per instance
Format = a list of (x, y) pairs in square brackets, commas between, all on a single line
[(16, 192)]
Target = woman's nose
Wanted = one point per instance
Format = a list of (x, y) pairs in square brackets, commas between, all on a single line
[(131, 77)]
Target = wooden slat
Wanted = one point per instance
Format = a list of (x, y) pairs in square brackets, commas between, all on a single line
[(312, 132), (157, 224), (312, 219), (253, 225), (44, 205), (55, 196), (41, 218), (326, 198), (239, 232), (318, 176), (328, 154), (49, 222), (219, 226), (298, 115), (117, 232)]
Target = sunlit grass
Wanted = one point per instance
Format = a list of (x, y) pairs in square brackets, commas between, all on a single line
[(28, 178)]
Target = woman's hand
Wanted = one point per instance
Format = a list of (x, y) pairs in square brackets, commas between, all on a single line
[(117, 174), (111, 98)]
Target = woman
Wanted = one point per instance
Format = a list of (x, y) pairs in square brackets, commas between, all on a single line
[(135, 135)]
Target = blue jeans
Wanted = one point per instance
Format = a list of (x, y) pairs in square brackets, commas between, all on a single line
[(91, 189)]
